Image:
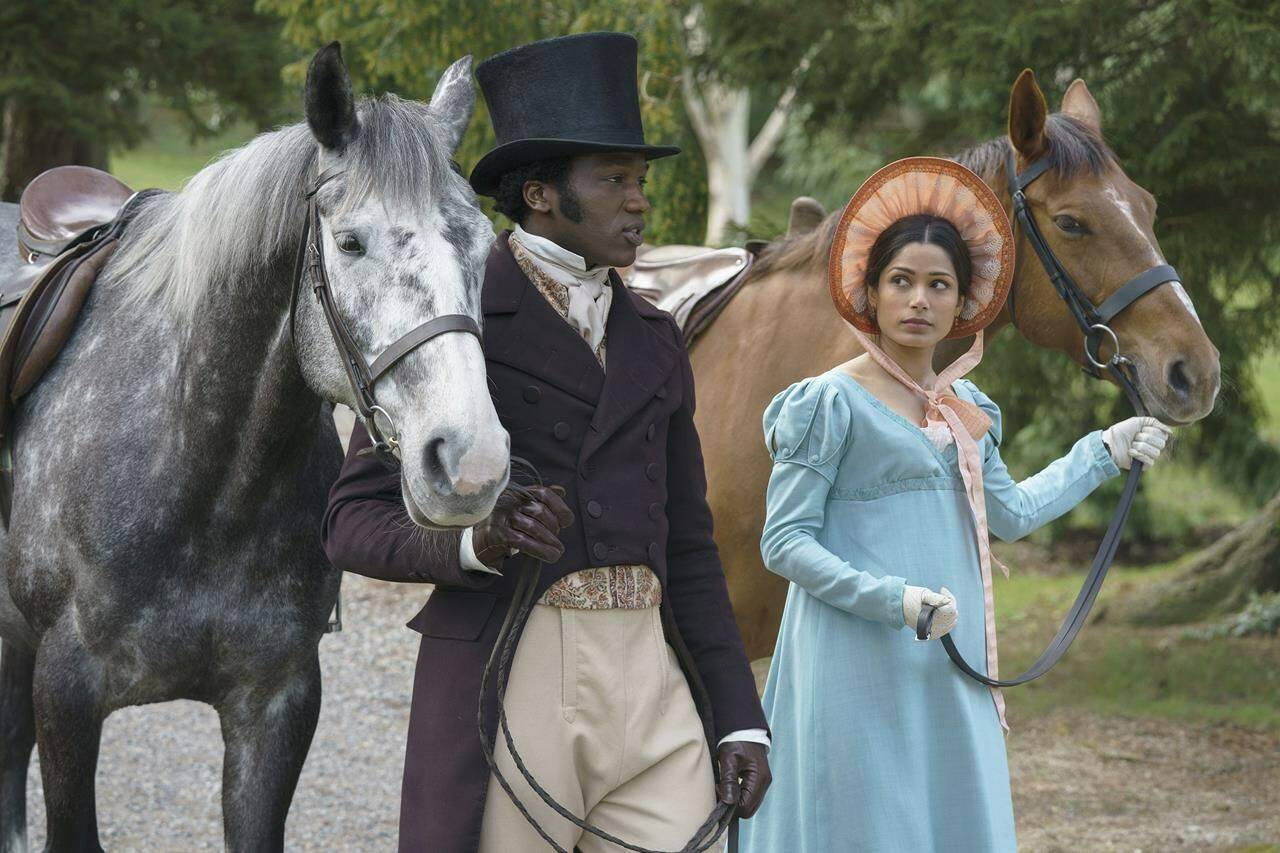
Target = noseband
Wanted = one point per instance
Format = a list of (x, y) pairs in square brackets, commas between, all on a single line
[(309, 266), (1094, 323)]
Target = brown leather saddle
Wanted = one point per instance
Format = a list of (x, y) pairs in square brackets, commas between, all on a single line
[(69, 221)]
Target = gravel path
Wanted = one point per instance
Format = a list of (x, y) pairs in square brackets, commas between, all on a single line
[(1081, 782), (160, 768)]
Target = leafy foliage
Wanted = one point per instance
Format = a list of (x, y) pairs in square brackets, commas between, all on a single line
[(1261, 616), (90, 68), (403, 45)]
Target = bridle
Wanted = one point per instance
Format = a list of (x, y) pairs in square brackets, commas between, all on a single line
[(309, 265), (1093, 321), (1094, 324)]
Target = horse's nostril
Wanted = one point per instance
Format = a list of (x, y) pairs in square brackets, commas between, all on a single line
[(436, 467), (1178, 379)]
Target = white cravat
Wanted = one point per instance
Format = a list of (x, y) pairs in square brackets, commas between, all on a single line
[(589, 291)]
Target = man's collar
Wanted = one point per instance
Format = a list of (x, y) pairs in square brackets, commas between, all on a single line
[(552, 250)]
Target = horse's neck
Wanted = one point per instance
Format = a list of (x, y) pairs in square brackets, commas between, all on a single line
[(240, 379)]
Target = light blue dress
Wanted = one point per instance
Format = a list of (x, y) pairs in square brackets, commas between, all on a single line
[(879, 742)]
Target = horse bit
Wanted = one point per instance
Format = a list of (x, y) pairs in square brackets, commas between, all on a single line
[(1094, 323), (309, 264)]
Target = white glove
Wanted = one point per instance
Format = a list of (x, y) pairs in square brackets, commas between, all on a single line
[(1136, 438), (913, 597)]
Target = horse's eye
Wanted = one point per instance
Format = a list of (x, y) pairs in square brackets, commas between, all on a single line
[(349, 244), (1069, 224)]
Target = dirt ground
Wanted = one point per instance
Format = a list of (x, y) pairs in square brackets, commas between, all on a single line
[(1088, 782)]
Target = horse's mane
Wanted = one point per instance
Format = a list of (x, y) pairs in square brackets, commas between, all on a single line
[(1073, 149), (243, 213)]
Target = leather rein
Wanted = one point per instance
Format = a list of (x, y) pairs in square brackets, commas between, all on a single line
[(309, 266), (1094, 324), (722, 819)]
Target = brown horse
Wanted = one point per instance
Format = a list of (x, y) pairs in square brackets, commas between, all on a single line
[(782, 326)]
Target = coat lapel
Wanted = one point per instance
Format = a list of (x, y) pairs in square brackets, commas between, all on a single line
[(533, 338), (638, 360)]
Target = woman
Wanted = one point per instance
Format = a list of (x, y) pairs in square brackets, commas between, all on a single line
[(885, 479)]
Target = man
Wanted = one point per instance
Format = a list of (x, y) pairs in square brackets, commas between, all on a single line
[(630, 697)]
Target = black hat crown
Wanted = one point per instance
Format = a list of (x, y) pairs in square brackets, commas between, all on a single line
[(558, 97)]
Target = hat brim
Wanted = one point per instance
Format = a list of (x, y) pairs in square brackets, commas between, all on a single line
[(935, 186), (489, 171)]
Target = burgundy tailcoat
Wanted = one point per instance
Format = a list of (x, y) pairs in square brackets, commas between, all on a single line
[(624, 446)]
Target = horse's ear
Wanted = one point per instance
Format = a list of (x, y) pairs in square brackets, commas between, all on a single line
[(1078, 103), (806, 214), (330, 106), (1027, 115), (453, 101)]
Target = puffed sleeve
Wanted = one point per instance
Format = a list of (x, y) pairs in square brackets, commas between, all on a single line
[(1015, 508), (808, 425), (808, 430)]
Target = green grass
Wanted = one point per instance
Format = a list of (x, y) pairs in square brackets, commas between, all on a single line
[(167, 157), (1120, 669)]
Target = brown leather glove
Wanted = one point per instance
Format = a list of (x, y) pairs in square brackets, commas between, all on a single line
[(746, 761), (531, 527)]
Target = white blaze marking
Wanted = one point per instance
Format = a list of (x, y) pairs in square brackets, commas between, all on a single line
[(1185, 299), (1126, 210)]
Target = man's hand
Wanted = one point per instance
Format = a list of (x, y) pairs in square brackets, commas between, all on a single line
[(742, 760), (531, 527)]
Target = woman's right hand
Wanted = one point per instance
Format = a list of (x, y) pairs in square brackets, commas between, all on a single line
[(944, 619)]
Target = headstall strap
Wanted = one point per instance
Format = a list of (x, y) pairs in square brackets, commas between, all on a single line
[(309, 265)]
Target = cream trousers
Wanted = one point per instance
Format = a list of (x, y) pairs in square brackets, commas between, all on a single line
[(604, 720)]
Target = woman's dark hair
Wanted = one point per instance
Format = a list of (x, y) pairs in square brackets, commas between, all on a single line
[(920, 228), (509, 198)]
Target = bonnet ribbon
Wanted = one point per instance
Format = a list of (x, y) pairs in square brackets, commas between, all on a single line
[(967, 423)]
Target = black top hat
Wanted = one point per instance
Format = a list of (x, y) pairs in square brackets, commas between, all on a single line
[(558, 97)]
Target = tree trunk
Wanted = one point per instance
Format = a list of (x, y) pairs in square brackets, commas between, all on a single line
[(31, 141), (1216, 581), (728, 177)]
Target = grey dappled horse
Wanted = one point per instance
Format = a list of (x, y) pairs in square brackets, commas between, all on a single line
[(173, 466)]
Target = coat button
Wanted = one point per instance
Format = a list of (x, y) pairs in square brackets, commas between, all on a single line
[(648, 434), (653, 552), (655, 510), (599, 550), (560, 430), (532, 394), (651, 470), (594, 509)]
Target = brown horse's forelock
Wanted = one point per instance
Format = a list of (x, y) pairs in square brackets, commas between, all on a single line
[(1073, 150)]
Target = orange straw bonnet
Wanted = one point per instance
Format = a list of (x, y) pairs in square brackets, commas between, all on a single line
[(913, 186)]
